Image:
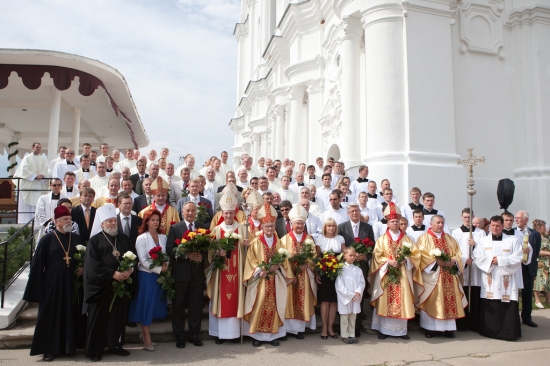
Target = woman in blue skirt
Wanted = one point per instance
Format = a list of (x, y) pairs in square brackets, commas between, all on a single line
[(150, 302)]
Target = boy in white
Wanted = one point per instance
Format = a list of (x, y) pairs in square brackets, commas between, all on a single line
[(349, 288)]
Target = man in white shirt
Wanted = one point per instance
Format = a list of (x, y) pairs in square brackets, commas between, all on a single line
[(274, 185), (252, 172), (373, 198), (60, 156), (336, 173), (211, 185), (127, 187), (417, 229), (242, 180), (84, 173), (115, 155), (285, 192), (101, 179), (164, 152), (298, 182), (313, 222), (263, 185), (408, 209), (224, 167), (320, 168), (315, 208), (130, 162), (347, 196), (104, 148), (67, 165), (386, 184), (261, 166), (189, 163), (311, 178), (69, 188), (335, 211), (152, 157), (428, 200), (86, 150), (369, 215), (361, 184), (169, 175), (323, 193)]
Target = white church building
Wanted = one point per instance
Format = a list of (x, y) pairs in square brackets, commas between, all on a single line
[(405, 87)]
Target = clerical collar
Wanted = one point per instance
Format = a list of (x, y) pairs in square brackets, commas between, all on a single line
[(346, 199), (466, 229), (301, 184), (372, 195), (85, 170), (432, 212), (312, 199), (92, 164), (56, 196), (109, 170), (496, 238), (70, 163), (69, 189), (312, 177), (384, 221), (509, 231), (414, 207), (418, 228), (363, 180)]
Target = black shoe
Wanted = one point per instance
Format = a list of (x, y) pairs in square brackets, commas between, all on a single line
[(47, 357), (197, 342), (449, 334), (283, 338), (180, 344), (357, 333), (382, 336), (299, 336), (256, 343), (122, 352), (405, 337), (131, 324), (530, 323), (219, 341), (274, 343), (95, 358), (236, 340)]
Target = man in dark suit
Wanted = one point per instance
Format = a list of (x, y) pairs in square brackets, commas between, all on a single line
[(529, 271), (127, 223), (140, 202), (194, 187), (140, 175), (190, 280), (230, 177), (349, 230), (283, 225), (79, 213), (153, 173)]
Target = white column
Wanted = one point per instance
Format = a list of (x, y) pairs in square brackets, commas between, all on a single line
[(279, 137), (55, 111), (75, 142), (257, 147), (315, 105), (349, 138), (296, 97)]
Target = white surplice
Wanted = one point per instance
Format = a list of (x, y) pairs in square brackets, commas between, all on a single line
[(350, 281), (30, 167), (462, 238)]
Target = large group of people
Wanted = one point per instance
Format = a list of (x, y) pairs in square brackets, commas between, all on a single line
[(411, 265)]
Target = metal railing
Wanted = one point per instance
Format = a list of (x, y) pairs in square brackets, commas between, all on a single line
[(7, 256)]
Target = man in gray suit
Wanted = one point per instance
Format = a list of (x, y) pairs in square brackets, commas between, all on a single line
[(193, 196), (177, 188)]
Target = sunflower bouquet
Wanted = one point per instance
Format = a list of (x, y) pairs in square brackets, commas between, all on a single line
[(329, 265)]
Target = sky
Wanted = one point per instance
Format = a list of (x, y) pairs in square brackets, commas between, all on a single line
[(179, 58)]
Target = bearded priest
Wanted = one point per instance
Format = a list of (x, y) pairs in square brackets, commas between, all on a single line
[(499, 258), (169, 215), (224, 286), (265, 301), (443, 299), (302, 292), (393, 303)]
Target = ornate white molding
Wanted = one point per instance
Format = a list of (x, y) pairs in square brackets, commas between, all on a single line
[(481, 28), (313, 67), (532, 172), (241, 29), (528, 17)]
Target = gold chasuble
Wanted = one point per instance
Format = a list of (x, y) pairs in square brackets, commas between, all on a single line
[(265, 302), (443, 297), (224, 287), (302, 292), (394, 300), (218, 218), (169, 216)]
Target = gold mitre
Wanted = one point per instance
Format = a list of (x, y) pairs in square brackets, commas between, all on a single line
[(159, 185), (228, 202), (231, 188), (267, 214), (392, 212), (255, 199), (298, 213)]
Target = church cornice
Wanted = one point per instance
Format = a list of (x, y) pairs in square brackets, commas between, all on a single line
[(241, 29), (528, 17), (237, 124), (305, 70)]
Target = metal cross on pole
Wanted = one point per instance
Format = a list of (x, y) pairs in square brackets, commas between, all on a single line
[(470, 161)]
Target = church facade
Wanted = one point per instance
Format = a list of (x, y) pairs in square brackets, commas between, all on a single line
[(405, 87)]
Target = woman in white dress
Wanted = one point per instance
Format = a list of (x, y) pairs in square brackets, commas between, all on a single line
[(329, 240)]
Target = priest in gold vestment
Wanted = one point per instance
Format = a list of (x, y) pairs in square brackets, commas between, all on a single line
[(224, 286), (302, 292), (265, 300), (393, 304), (443, 299), (169, 215), (239, 216)]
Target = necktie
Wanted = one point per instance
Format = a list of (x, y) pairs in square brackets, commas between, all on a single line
[(288, 229), (355, 231), (141, 177), (148, 200), (127, 226), (190, 226), (87, 217), (169, 180)]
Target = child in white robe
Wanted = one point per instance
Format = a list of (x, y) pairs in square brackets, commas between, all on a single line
[(349, 288)]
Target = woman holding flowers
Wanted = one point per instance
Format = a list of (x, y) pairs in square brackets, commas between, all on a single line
[(328, 242), (150, 302), (395, 277), (302, 292)]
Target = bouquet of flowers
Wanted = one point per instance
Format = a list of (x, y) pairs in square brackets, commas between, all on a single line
[(330, 265), (440, 254), (79, 260), (394, 274), (119, 288), (199, 240), (202, 212), (184, 191), (158, 258), (365, 246), (306, 254), (228, 243), (276, 259)]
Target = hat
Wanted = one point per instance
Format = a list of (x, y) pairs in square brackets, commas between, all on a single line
[(61, 211), (267, 214), (392, 212), (228, 202), (255, 199), (105, 212), (298, 213), (231, 188), (159, 185)]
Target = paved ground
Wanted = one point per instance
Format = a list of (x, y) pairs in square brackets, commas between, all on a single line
[(467, 348)]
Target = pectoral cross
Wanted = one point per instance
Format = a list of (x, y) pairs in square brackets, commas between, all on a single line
[(67, 259)]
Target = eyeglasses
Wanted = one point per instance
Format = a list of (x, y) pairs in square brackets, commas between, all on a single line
[(285, 209)]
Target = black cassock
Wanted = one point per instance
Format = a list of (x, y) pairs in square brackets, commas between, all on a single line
[(105, 329), (60, 325)]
